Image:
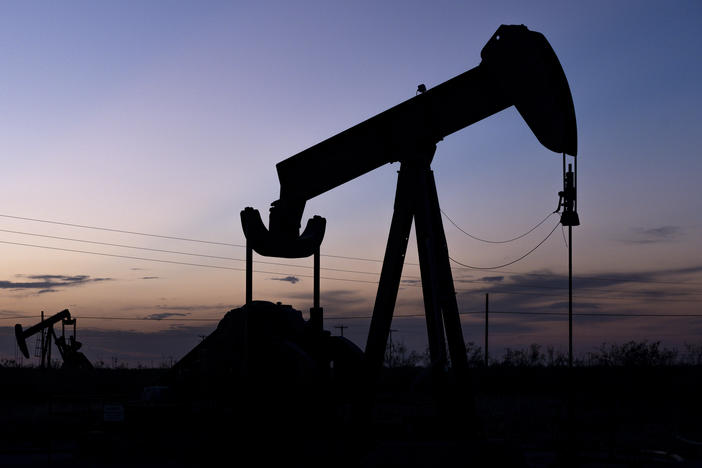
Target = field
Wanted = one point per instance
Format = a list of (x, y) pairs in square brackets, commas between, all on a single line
[(542, 416)]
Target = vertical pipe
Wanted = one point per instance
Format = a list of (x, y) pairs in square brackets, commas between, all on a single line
[(570, 296), (316, 278), (487, 302), (49, 335), (575, 185), (43, 353), (316, 311), (249, 272)]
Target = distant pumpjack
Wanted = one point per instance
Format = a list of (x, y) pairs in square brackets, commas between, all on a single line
[(518, 68), (72, 358)]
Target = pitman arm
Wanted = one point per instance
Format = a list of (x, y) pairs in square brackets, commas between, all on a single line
[(518, 68)]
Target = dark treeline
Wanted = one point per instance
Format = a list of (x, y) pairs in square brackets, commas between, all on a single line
[(629, 354)]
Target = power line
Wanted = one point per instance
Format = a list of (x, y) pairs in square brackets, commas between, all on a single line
[(594, 314), (620, 297), (513, 261), (491, 241), (164, 236), (373, 260), (642, 294), (192, 254), (122, 231), (71, 239), (366, 317), (559, 314), (591, 278), (173, 262)]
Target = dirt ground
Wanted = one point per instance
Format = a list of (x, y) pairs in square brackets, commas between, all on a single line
[(531, 417)]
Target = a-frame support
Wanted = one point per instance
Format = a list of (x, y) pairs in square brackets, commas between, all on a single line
[(416, 198)]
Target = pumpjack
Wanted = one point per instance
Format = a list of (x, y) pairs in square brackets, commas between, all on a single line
[(68, 349), (518, 68)]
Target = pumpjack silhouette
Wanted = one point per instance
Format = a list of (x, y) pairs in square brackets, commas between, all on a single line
[(68, 349), (518, 68)]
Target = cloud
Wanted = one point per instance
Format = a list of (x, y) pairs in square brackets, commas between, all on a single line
[(49, 283), (673, 289), (337, 297), (150, 277), (180, 308), (289, 279), (195, 307), (492, 279), (411, 282), (164, 315), (654, 235)]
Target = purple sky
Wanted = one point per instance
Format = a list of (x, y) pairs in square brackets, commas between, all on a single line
[(169, 118)]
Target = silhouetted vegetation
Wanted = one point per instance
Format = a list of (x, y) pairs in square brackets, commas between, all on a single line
[(629, 354), (397, 355)]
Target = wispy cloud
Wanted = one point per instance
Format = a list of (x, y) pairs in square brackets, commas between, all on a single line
[(492, 279), (49, 283), (164, 315), (150, 277), (192, 308), (654, 235), (289, 279), (335, 301), (180, 308)]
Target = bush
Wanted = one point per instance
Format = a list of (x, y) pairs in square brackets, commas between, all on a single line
[(397, 355), (633, 354)]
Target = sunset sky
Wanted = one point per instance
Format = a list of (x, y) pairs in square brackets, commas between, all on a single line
[(168, 118)]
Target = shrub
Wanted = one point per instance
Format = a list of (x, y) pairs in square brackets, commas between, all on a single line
[(633, 354)]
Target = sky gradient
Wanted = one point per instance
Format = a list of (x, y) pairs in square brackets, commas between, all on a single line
[(169, 118)]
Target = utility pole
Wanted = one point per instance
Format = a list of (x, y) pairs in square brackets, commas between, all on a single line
[(487, 306), (341, 329)]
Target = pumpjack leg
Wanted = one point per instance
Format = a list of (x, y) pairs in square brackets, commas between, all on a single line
[(390, 276), (416, 198)]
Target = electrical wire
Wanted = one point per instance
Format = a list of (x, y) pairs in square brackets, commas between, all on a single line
[(373, 260), (405, 277), (122, 231), (178, 263), (602, 298), (366, 317), (592, 278), (177, 252), (405, 282), (491, 241), (508, 263), (178, 238)]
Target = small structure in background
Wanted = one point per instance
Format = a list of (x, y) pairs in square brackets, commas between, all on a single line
[(67, 346)]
